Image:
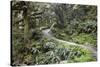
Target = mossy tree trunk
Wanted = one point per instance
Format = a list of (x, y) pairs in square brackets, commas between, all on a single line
[(26, 25)]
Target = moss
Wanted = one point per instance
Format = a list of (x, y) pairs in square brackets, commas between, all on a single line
[(84, 58), (85, 39)]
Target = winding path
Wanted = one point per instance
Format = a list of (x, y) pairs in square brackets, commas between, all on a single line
[(90, 48), (47, 34)]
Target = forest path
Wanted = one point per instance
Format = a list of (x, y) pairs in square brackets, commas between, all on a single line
[(88, 47), (47, 33)]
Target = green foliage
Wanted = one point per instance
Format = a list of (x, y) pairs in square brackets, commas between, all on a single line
[(84, 58), (80, 55), (85, 39), (72, 23)]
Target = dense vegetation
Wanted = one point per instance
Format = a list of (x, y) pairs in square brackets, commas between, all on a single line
[(42, 33)]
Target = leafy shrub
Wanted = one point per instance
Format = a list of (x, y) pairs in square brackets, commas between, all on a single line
[(85, 38), (49, 45)]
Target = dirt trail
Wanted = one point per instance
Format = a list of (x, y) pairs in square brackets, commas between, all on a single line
[(90, 48), (47, 34)]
